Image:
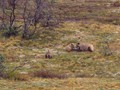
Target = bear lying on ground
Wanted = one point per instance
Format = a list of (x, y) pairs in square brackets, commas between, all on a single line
[(80, 47)]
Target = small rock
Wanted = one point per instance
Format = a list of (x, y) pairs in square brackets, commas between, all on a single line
[(21, 56)]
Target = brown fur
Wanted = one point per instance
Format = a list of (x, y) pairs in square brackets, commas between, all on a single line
[(48, 55), (69, 47), (80, 47), (86, 47)]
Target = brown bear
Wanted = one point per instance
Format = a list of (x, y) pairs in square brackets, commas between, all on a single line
[(70, 47), (79, 47), (48, 55), (85, 47)]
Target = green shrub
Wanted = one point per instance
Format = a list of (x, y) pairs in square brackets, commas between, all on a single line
[(10, 32), (1, 65)]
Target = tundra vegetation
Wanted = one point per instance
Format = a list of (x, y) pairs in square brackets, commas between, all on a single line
[(34, 37)]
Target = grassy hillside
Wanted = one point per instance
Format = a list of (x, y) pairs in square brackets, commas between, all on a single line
[(101, 10), (89, 22)]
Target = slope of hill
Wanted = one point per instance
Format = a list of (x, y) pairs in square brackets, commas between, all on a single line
[(92, 22)]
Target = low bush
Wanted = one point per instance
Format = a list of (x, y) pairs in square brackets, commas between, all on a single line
[(48, 74), (10, 32), (1, 66), (22, 77)]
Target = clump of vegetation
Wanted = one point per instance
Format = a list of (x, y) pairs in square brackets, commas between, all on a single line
[(4, 73), (1, 66), (8, 21), (10, 32), (22, 76), (48, 74), (105, 44)]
